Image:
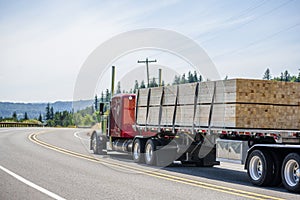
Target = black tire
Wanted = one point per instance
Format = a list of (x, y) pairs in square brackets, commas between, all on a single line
[(138, 151), (150, 152), (97, 145), (260, 168), (290, 172), (277, 159)]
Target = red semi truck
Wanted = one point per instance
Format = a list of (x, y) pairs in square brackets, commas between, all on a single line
[(160, 125)]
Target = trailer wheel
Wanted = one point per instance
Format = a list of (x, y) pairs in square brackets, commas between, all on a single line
[(291, 172), (138, 151), (150, 152), (260, 167), (277, 159)]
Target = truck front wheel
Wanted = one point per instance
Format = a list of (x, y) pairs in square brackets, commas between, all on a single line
[(260, 167), (138, 151), (97, 145), (291, 172)]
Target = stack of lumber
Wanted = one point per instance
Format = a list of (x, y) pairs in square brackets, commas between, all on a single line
[(238, 103)]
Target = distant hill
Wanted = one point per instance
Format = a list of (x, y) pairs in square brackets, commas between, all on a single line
[(34, 109)]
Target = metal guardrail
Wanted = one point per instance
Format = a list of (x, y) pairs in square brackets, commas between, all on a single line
[(19, 124)]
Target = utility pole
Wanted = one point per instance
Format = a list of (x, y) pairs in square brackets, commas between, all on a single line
[(159, 78), (147, 67)]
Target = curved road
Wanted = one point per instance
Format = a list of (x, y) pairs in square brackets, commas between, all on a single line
[(43, 163)]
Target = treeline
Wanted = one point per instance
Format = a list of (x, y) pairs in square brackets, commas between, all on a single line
[(82, 118), (284, 76), (24, 119)]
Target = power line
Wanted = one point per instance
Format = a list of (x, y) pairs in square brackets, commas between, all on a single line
[(260, 40)]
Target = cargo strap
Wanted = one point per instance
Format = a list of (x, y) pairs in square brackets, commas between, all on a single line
[(137, 105), (160, 109), (195, 106), (148, 104), (212, 106), (175, 109)]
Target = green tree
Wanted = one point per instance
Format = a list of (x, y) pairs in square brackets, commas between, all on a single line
[(25, 116), (267, 74), (15, 117), (107, 95), (40, 118), (102, 97), (195, 76), (176, 80), (143, 84), (153, 83), (96, 103), (48, 114), (190, 78), (136, 86), (51, 112), (200, 78), (298, 78), (183, 79), (119, 91), (286, 76)]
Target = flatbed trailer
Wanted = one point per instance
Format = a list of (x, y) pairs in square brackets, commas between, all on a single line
[(160, 125)]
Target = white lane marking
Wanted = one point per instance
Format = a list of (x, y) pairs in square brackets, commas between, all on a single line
[(43, 190), (76, 135)]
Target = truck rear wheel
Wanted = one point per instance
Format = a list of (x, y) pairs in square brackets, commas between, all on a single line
[(150, 152), (260, 168), (138, 151), (290, 172)]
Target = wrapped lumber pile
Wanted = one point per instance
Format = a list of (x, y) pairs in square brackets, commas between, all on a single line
[(236, 103)]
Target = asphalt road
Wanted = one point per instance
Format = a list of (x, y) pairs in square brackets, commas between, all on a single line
[(57, 164)]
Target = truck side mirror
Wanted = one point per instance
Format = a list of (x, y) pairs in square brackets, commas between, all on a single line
[(101, 108)]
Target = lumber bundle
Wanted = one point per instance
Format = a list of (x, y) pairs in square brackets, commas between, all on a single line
[(237, 103)]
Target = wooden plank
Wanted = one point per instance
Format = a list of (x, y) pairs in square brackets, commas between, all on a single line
[(186, 94), (170, 95), (155, 96), (141, 116), (153, 116), (143, 97), (167, 115)]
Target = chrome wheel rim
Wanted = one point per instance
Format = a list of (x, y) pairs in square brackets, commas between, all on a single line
[(255, 168), (149, 152), (94, 143), (292, 173), (136, 151)]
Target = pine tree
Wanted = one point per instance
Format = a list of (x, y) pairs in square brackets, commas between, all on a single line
[(190, 77), (51, 113), (119, 88), (14, 116), (286, 76), (183, 79), (102, 97), (200, 78), (136, 86), (107, 95), (96, 102), (48, 114), (267, 75), (298, 79), (40, 118), (195, 76), (143, 84), (25, 116)]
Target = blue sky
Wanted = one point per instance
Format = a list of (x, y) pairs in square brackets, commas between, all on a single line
[(43, 44)]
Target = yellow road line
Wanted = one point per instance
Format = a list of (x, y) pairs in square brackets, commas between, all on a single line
[(237, 192)]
